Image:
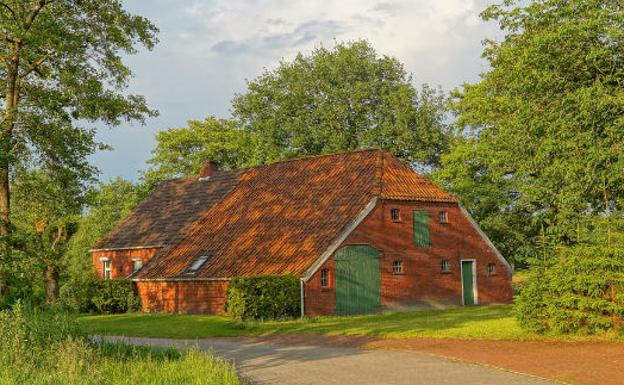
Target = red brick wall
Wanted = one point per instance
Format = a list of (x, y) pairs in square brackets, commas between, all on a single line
[(121, 260), (423, 284), (184, 297)]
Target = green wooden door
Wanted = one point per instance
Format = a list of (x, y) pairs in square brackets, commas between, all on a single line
[(357, 280), (467, 271)]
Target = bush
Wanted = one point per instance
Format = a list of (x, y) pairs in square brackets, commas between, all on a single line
[(581, 293), (263, 297), (102, 296), (114, 296), (45, 347)]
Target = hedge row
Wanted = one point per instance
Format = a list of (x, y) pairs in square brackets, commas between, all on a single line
[(101, 296), (582, 293), (263, 297)]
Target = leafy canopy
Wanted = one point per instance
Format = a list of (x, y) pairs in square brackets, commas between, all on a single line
[(543, 127)]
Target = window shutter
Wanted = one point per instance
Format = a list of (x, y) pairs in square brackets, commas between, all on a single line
[(421, 228)]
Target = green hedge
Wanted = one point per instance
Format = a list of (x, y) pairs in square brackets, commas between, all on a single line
[(582, 293), (102, 296), (263, 297)]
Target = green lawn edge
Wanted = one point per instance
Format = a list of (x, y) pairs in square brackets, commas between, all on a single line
[(494, 322)]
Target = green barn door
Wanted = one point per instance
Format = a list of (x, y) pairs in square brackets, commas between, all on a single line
[(468, 289), (357, 280)]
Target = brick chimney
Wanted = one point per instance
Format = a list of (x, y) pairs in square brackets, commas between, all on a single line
[(208, 169)]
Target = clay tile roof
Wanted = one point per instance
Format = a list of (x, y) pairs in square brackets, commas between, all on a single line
[(161, 218), (281, 217)]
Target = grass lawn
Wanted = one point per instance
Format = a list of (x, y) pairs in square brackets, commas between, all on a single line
[(483, 322)]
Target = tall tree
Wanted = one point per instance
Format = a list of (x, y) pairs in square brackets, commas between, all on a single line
[(341, 99), (180, 151), (46, 208), (547, 119), (60, 63)]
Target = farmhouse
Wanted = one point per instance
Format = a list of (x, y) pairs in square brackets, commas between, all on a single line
[(363, 231)]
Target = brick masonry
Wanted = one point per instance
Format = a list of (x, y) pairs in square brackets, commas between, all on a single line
[(422, 283), (121, 260)]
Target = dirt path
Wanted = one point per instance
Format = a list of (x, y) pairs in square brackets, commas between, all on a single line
[(266, 361), (579, 363)]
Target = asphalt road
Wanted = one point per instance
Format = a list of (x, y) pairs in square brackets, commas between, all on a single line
[(270, 363)]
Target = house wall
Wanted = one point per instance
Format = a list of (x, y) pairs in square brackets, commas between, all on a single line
[(121, 260), (422, 284), (183, 297)]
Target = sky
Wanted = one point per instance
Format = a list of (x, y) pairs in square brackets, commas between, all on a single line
[(209, 48)]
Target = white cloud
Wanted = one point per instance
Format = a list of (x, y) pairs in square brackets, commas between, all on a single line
[(208, 48)]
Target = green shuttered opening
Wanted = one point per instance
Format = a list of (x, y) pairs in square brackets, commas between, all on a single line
[(421, 228)]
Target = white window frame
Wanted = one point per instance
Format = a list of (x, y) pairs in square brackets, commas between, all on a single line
[(325, 279), (443, 217), (134, 264), (197, 264), (397, 266), (445, 266), (107, 268)]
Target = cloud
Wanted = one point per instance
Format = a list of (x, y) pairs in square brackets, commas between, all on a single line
[(208, 48)]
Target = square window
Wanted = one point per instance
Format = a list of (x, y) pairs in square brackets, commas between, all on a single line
[(445, 266), (397, 267), (137, 263), (443, 217), (491, 268), (395, 214), (325, 278)]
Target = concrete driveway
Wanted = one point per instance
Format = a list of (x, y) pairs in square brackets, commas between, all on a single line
[(274, 363)]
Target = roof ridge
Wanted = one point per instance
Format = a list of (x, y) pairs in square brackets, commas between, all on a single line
[(316, 156)]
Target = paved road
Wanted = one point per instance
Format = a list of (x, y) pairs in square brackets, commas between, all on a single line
[(272, 363)]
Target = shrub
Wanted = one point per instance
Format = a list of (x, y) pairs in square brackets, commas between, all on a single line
[(263, 297), (581, 293), (77, 295), (114, 296)]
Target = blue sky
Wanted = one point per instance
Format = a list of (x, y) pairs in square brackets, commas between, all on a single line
[(208, 48)]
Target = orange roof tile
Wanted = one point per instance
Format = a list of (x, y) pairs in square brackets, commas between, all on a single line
[(281, 217)]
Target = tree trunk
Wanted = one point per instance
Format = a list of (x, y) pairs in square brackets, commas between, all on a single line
[(52, 284)]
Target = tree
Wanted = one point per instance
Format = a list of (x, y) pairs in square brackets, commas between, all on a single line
[(179, 152), (341, 99), (46, 211), (60, 64), (106, 205), (547, 120)]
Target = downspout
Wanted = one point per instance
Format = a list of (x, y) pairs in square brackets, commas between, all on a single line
[(302, 298)]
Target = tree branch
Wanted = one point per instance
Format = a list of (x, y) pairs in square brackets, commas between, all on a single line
[(4, 5), (34, 67)]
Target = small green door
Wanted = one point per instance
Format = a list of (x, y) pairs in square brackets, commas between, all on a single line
[(467, 271), (357, 280)]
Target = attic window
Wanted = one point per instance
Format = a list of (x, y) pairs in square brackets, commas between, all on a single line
[(443, 217), (395, 215), (197, 264)]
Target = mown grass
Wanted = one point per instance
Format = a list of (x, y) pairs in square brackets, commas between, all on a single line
[(39, 348), (483, 322)]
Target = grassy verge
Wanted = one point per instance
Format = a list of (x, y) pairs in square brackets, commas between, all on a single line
[(483, 322), (47, 349)]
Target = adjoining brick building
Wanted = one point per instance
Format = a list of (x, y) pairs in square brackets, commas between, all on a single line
[(363, 231)]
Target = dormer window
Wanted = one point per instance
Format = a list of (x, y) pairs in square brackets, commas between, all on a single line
[(197, 264)]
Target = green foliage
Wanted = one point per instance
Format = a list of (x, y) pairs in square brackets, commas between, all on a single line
[(179, 152), (543, 127), (47, 348), (264, 297), (581, 293), (114, 296)]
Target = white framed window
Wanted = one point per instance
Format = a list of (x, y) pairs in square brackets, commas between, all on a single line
[(491, 269), (445, 266), (395, 215), (443, 217), (107, 269), (325, 278), (137, 263), (397, 267)]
